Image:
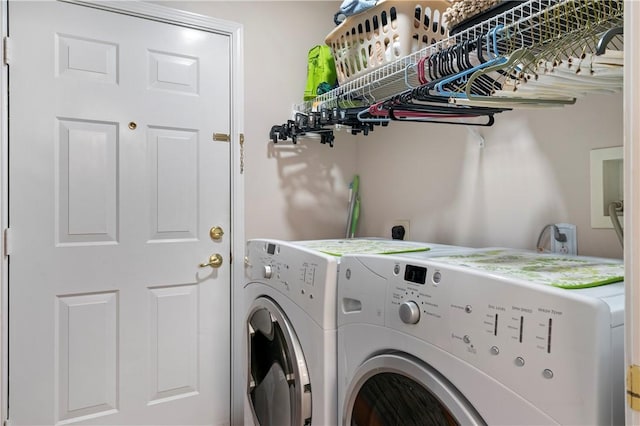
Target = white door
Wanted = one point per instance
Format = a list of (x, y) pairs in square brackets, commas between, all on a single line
[(115, 183)]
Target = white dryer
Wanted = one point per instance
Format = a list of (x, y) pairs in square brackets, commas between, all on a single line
[(290, 300), (482, 338)]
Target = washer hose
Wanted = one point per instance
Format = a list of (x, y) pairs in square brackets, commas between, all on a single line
[(614, 208)]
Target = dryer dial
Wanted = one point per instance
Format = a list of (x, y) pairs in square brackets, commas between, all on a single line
[(409, 312)]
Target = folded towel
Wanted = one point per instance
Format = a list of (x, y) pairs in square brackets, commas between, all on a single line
[(352, 7), (461, 10)]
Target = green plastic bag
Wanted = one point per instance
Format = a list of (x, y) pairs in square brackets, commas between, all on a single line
[(321, 71)]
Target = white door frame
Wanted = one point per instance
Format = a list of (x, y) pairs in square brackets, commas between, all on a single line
[(631, 190), (187, 19)]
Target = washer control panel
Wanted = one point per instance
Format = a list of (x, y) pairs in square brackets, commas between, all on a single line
[(535, 339)]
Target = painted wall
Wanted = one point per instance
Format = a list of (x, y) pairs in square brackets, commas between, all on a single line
[(533, 170), (291, 192)]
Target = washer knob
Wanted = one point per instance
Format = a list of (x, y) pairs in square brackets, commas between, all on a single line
[(267, 271), (409, 312)]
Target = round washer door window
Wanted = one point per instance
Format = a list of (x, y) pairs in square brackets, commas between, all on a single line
[(397, 390), (279, 389)]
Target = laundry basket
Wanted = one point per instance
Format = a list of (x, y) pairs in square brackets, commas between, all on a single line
[(386, 32)]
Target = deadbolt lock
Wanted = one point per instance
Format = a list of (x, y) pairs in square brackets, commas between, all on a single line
[(216, 233), (215, 261)]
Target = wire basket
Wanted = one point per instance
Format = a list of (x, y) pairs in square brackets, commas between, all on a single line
[(388, 31)]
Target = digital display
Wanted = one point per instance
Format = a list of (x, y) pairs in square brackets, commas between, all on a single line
[(271, 248), (415, 274)]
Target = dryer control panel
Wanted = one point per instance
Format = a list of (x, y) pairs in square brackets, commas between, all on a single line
[(305, 276)]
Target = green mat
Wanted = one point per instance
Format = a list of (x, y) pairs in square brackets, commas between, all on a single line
[(570, 272), (364, 246)]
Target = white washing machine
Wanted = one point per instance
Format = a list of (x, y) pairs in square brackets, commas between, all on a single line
[(464, 339), (290, 300)]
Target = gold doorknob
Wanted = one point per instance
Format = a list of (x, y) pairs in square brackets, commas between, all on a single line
[(215, 261), (216, 233)]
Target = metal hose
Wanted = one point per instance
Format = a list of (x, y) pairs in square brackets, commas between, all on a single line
[(614, 208)]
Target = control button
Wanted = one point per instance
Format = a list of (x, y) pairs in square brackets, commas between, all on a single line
[(437, 276), (494, 350), (396, 269), (466, 339), (468, 309), (519, 361), (409, 312), (547, 374), (267, 271)]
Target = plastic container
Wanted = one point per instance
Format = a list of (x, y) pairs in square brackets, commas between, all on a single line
[(384, 33)]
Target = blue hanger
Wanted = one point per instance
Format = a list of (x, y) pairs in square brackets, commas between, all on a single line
[(463, 76)]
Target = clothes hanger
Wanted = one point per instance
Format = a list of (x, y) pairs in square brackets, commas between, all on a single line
[(374, 113), (514, 58), (462, 77), (405, 107), (571, 70), (406, 75), (450, 118), (519, 62), (485, 85)]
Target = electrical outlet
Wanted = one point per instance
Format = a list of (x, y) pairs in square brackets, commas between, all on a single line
[(571, 245), (402, 222)]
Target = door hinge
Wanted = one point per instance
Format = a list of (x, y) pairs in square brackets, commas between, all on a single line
[(633, 387), (7, 243), (221, 137), (6, 50), (241, 153)]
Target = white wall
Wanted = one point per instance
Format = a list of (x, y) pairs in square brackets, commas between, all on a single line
[(533, 170), (292, 192)]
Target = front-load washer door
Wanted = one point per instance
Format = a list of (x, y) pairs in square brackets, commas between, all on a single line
[(395, 389), (279, 389)]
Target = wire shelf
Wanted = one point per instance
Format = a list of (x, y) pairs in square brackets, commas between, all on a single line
[(534, 24)]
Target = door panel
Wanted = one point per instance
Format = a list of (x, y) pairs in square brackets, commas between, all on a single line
[(87, 353), (115, 182), (173, 175), (87, 193), (173, 323)]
